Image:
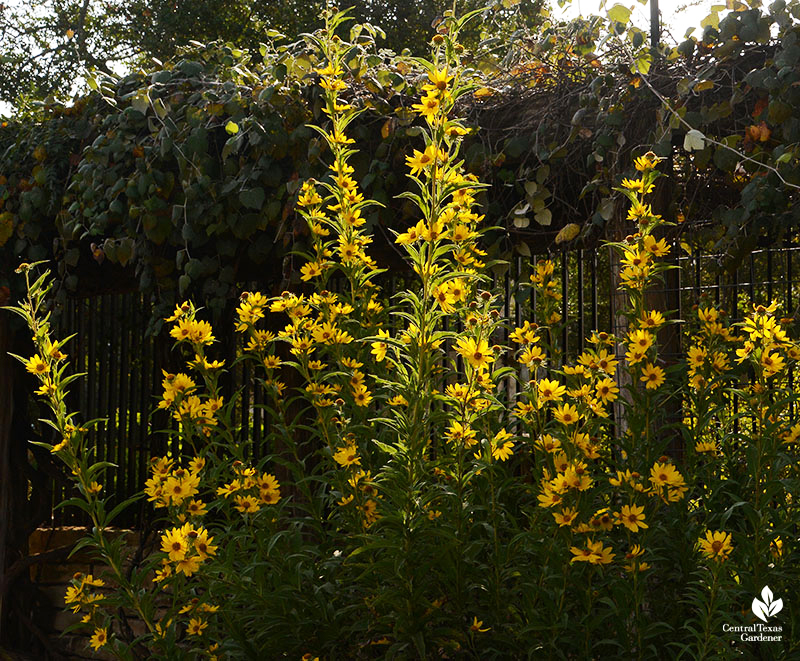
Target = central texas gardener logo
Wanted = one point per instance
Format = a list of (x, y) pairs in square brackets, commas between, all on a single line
[(766, 607), (763, 609)]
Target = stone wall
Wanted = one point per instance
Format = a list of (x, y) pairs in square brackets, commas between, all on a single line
[(52, 577)]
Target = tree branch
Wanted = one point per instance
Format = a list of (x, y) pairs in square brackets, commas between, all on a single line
[(742, 156)]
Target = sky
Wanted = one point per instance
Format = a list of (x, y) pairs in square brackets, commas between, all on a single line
[(677, 15)]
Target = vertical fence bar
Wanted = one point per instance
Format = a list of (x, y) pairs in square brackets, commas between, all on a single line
[(697, 288), (112, 368), (581, 331), (149, 388), (565, 303), (769, 276), (789, 276), (790, 312), (245, 400), (135, 386), (507, 302), (517, 306), (507, 381), (257, 428), (134, 378), (156, 443), (124, 370), (612, 295), (92, 404), (594, 288)]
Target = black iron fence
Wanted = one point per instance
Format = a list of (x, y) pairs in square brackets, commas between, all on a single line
[(124, 367)]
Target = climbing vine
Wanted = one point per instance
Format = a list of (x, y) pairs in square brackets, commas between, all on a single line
[(183, 180)]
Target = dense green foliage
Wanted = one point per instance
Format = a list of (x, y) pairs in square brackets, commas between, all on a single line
[(185, 175)]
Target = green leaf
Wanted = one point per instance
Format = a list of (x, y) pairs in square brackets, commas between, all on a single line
[(544, 217), (125, 250), (725, 159), (643, 63), (712, 20), (141, 101), (568, 232), (694, 140), (252, 198), (388, 449), (80, 503), (121, 506), (606, 208), (81, 544), (619, 13), (161, 108)]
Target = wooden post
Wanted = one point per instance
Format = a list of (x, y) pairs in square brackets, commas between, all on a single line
[(6, 412)]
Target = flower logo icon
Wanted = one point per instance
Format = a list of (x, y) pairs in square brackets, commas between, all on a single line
[(766, 607)]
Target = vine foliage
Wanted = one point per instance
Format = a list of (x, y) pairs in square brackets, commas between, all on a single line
[(182, 181)]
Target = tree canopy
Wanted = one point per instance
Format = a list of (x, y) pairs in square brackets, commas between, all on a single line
[(51, 43)]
